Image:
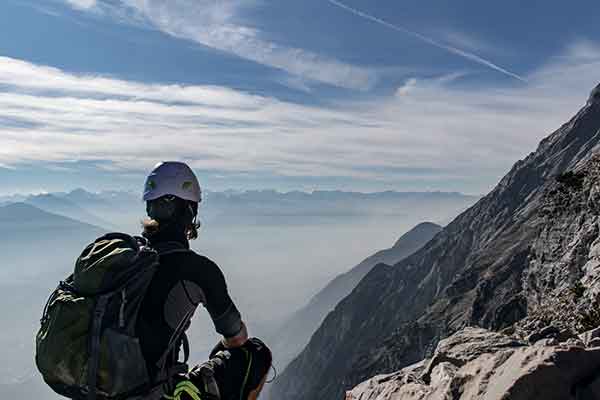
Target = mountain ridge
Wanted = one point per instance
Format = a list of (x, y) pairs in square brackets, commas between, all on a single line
[(296, 332), (469, 274), (63, 206), (26, 215)]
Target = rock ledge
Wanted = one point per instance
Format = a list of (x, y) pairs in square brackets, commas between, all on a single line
[(477, 364)]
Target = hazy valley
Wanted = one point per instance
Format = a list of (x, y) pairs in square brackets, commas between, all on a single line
[(277, 250)]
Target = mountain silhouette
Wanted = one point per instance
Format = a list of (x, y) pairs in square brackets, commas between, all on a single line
[(297, 330)]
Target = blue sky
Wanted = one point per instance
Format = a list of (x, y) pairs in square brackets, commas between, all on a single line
[(355, 95)]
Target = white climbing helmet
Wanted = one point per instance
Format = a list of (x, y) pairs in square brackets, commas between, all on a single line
[(172, 178)]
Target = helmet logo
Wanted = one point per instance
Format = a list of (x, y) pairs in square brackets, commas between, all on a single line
[(151, 185), (187, 185)]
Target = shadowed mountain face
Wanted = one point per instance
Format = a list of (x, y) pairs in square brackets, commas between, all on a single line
[(296, 332), (477, 271)]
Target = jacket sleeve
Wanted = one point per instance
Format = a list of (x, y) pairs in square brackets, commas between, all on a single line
[(222, 310)]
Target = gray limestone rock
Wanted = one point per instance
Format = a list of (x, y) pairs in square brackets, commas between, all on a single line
[(587, 337), (595, 342), (490, 367), (573, 342)]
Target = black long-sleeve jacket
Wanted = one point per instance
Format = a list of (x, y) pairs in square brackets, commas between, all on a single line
[(182, 282)]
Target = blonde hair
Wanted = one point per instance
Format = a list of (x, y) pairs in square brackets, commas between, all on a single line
[(152, 227)]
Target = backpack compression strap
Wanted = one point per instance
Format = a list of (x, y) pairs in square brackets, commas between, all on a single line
[(94, 360), (178, 337)]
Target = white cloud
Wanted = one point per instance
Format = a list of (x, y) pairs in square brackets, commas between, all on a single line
[(42, 78), (6, 166), (217, 24), (82, 4), (430, 130)]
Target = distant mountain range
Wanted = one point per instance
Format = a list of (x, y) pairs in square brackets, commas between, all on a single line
[(66, 207), (104, 209), (123, 210), (297, 330), (325, 204)]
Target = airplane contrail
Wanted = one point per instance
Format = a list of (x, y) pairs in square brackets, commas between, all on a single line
[(428, 40)]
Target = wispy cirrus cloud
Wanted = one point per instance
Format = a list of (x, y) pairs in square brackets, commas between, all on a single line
[(218, 25), (428, 40), (428, 131)]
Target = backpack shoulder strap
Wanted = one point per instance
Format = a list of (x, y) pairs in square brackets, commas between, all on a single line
[(165, 252), (171, 247), (177, 338), (133, 240), (94, 347)]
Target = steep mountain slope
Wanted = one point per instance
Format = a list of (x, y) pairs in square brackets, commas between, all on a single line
[(62, 206), (296, 332), (23, 217), (34, 243), (478, 271)]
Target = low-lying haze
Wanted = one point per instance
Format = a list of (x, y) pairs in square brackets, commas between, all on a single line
[(276, 250)]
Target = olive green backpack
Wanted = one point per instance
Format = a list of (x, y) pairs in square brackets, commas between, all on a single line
[(87, 347)]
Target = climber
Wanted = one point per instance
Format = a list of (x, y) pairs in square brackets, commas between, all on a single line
[(122, 314), (229, 374), (184, 279)]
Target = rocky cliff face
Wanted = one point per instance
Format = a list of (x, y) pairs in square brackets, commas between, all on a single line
[(476, 364), (296, 332), (532, 238)]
